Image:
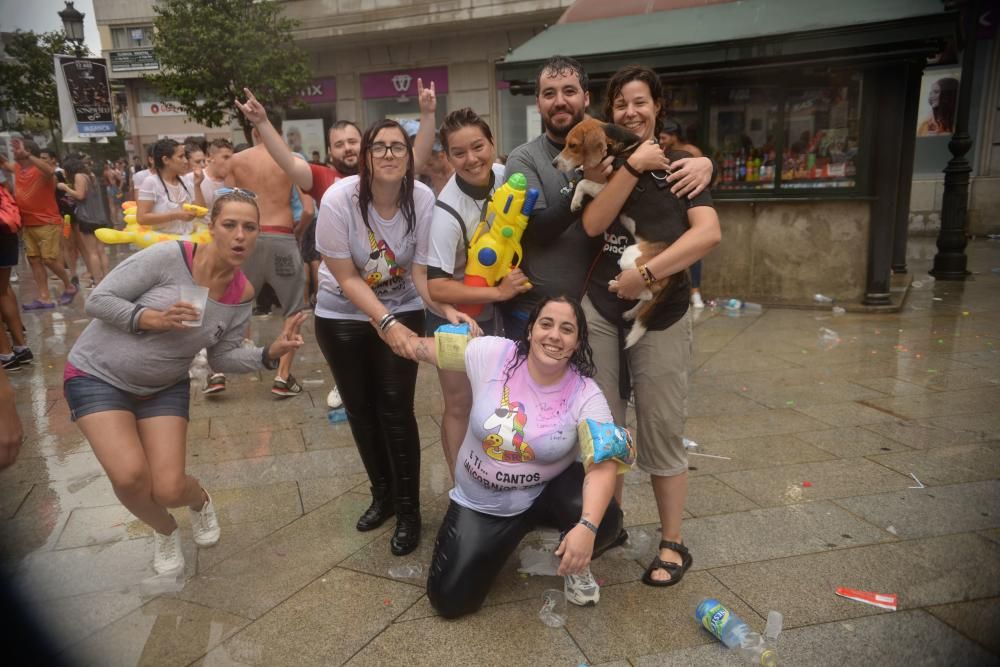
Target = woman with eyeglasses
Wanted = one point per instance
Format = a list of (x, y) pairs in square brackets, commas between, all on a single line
[(372, 229), (163, 194), (126, 377)]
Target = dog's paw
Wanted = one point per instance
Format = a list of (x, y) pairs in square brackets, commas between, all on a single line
[(637, 332), (577, 202)]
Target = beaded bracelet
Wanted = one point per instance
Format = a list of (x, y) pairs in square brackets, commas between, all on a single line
[(646, 274)]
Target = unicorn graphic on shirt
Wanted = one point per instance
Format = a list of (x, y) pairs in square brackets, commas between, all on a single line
[(381, 264), (507, 444)]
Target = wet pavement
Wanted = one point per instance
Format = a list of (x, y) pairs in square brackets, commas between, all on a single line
[(810, 444)]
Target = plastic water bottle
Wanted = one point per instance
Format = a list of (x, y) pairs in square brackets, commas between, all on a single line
[(733, 631)]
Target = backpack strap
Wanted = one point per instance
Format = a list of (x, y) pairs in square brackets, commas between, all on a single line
[(461, 223)]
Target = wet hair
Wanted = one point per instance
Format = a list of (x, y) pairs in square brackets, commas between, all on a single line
[(561, 66), (456, 120), (163, 149), (628, 74), (582, 360), (218, 145), (233, 196), (405, 199)]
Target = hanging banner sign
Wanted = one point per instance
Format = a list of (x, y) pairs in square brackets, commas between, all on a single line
[(84, 97)]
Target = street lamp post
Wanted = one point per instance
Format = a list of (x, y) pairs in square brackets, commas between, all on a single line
[(72, 19)]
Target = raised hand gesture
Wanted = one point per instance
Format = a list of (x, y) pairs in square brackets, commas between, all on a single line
[(426, 98), (289, 339), (253, 110)]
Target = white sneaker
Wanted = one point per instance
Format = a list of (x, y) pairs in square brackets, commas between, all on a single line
[(167, 555), (205, 524), (696, 300), (582, 589), (333, 400)]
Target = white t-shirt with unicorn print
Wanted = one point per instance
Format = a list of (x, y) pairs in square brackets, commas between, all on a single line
[(383, 253), (521, 434)]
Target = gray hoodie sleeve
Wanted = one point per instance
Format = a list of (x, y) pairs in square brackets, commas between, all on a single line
[(114, 300), (229, 356)]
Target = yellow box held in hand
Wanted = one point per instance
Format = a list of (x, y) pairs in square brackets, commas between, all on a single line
[(450, 341)]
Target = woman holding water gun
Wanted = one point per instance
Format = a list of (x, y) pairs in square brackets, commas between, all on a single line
[(163, 195), (461, 205)]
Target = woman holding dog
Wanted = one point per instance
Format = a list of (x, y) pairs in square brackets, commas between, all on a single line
[(655, 367)]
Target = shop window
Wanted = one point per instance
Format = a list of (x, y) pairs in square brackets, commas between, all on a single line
[(821, 136), (682, 106), (129, 37), (742, 129), (403, 108)]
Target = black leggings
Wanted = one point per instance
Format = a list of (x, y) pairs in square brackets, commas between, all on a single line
[(471, 547), (377, 388)]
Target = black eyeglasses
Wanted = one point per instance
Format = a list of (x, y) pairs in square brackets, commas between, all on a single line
[(236, 191), (379, 149)]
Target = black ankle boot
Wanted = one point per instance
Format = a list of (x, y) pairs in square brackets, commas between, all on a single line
[(407, 535), (378, 512)]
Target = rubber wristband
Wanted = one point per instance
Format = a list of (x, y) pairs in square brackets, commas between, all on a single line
[(632, 170), (584, 522), (267, 362)]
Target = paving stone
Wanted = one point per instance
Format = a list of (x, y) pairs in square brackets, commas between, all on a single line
[(754, 424), (325, 623), (248, 446), (750, 453), (765, 534), (431, 641), (923, 434), (321, 490), (254, 580), (708, 496), (845, 414), (706, 403), (163, 632), (836, 391), (946, 465), (850, 442), (839, 478), (621, 623), (947, 403), (931, 571), (977, 620), (284, 468), (891, 386), (903, 638), (939, 510), (12, 496), (75, 618)]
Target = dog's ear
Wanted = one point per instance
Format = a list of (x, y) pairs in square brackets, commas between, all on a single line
[(595, 147), (619, 135)]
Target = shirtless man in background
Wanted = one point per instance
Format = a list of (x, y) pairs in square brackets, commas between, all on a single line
[(276, 259)]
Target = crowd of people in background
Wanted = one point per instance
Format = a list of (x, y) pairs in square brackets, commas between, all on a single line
[(375, 241)]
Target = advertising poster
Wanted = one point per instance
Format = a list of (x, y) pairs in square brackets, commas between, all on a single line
[(84, 97), (938, 101), (305, 136)]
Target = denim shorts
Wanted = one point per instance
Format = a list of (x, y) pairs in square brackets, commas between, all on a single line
[(87, 395)]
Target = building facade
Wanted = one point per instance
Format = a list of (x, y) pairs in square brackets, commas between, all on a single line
[(366, 57)]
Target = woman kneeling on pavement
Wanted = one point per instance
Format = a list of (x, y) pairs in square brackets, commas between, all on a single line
[(519, 467), (126, 379)]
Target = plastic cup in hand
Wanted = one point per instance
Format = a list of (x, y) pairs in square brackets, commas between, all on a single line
[(553, 611), (197, 296)]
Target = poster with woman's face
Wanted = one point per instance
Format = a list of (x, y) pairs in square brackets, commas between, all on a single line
[(305, 136), (938, 101)]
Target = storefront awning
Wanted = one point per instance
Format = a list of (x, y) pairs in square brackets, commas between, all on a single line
[(736, 34)]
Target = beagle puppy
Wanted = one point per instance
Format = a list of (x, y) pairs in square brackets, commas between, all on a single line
[(586, 145)]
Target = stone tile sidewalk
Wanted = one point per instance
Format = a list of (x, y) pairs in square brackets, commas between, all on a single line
[(802, 481)]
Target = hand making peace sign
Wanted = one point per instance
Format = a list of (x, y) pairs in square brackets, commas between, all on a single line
[(290, 338)]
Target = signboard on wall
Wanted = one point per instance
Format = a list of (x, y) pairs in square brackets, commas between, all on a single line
[(403, 83), (305, 136), (161, 108), (84, 98), (133, 60), (319, 91)]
